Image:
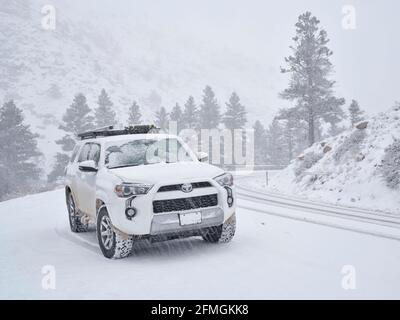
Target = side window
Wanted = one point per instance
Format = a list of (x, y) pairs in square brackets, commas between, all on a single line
[(83, 156), (94, 153), (74, 153)]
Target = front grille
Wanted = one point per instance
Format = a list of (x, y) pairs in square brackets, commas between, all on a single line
[(182, 204), (177, 187)]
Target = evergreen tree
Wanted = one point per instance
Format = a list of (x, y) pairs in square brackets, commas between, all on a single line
[(54, 92), (76, 119), (135, 117), (260, 144), (309, 68), (176, 115), (235, 115), (19, 153), (277, 148), (104, 113), (162, 119), (290, 137), (190, 114), (58, 171), (356, 114), (209, 114)]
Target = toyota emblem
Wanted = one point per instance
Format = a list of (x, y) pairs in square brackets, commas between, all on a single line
[(187, 187)]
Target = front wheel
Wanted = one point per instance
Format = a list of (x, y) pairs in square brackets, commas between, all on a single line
[(113, 244), (223, 233)]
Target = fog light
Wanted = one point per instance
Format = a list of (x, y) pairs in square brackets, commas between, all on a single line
[(229, 199), (130, 213)]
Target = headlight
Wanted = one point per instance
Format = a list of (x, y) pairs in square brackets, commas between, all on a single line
[(225, 179), (131, 189)]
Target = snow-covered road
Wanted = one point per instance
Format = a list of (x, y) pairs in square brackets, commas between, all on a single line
[(280, 251)]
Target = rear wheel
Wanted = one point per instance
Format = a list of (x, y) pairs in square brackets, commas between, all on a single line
[(113, 244), (74, 216), (223, 233)]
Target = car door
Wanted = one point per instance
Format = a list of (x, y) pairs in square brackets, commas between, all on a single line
[(72, 169), (79, 181), (88, 182)]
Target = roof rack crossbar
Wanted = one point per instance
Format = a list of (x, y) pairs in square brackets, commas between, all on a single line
[(110, 131)]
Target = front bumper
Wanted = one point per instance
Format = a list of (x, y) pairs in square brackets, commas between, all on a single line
[(170, 222), (148, 223)]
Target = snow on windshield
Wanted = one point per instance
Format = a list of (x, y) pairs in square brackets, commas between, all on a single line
[(145, 151)]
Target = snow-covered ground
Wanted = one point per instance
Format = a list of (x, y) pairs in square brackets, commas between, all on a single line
[(270, 257)]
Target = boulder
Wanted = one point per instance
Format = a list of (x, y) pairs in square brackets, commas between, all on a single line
[(362, 125), (360, 157), (327, 149)]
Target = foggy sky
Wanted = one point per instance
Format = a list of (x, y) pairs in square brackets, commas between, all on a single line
[(365, 59)]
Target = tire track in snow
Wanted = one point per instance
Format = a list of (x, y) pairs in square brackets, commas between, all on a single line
[(76, 239)]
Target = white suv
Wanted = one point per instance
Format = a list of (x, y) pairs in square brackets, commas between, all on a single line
[(135, 184)]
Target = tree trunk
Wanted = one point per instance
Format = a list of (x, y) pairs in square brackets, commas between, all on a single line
[(311, 130)]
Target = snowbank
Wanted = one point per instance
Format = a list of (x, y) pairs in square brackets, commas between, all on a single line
[(346, 169)]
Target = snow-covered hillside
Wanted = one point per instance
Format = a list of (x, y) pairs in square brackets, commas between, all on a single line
[(102, 46), (346, 169)]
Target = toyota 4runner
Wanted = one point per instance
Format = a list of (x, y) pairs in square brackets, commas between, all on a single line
[(136, 184)]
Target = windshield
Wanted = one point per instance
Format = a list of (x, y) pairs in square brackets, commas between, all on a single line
[(145, 151)]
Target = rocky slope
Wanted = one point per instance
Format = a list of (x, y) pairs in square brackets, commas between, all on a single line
[(346, 169)]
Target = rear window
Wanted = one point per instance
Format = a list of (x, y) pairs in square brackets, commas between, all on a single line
[(74, 153)]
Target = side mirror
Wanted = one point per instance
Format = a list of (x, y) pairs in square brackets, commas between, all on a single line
[(202, 156), (88, 166)]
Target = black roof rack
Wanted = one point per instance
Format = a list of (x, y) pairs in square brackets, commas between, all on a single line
[(110, 131)]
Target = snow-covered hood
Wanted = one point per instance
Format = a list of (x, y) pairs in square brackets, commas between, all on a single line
[(167, 172)]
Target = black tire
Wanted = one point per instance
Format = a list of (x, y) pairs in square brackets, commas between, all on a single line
[(223, 233), (113, 245), (213, 234), (74, 217)]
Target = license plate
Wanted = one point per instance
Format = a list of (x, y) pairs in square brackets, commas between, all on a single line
[(190, 218)]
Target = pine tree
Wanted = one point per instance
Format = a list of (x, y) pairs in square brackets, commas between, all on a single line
[(356, 114), (290, 138), (54, 92), (19, 153), (260, 144), (209, 114), (235, 115), (190, 114), (176, 115), (309, 67), (76, 119), (135, 117), (162, 119), (104, 113), (276, 144)]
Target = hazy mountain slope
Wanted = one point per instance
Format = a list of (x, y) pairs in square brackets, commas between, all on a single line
[(346, 169), (42, 70)]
